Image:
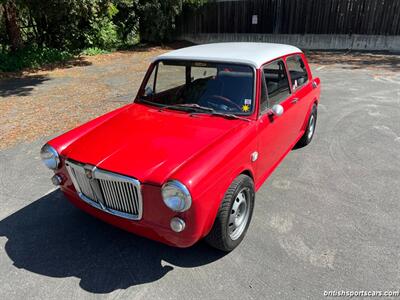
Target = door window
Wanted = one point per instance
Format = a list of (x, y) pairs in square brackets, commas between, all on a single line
[(276, 83), (297, 70)]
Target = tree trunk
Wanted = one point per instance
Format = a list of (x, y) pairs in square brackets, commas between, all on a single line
[(12, 26)]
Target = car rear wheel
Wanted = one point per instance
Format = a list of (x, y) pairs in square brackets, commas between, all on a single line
[(234, 215), (309, 133)]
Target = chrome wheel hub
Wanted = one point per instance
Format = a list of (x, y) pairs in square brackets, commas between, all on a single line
[(239, 215), (311, 126)]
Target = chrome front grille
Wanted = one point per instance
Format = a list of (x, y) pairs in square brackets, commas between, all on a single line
[(83, 182), (116, 194), (114, 190)]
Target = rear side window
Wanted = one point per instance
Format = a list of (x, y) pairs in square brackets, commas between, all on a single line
[(297, 70), (276, 82)]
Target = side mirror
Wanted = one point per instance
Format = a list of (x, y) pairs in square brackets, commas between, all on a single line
[(277, 110)]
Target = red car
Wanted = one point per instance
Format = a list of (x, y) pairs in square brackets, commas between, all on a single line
[(184, 160)]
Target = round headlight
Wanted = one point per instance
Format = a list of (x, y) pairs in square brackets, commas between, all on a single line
[(50, 157), (176, 196)]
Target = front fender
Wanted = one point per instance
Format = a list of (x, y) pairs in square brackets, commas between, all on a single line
[(209, 175)]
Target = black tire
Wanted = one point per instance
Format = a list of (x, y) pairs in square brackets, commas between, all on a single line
[(221, 235), (308, 135)]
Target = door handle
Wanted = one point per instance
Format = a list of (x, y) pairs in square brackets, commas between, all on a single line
[(295, 100)]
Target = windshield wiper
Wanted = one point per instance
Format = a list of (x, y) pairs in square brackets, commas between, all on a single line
[(194, 106), (189, 106), (230, 116), (207, 110), (160, 106), (224, 115), (149, 102)]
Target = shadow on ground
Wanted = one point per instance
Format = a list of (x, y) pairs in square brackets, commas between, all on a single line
[(22, 86), (18, 84), (356, 60), (52, 238)]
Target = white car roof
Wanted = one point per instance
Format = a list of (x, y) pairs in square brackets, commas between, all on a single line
[(254, 54)]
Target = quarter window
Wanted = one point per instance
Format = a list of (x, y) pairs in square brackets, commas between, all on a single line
[(297, 71), (169, 77), (276, 82)]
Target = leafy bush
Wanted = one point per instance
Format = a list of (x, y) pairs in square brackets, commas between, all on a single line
[(31, 58), (94, 51), (103, 32)]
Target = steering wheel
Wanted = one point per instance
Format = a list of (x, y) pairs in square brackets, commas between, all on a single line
[(227, 101)]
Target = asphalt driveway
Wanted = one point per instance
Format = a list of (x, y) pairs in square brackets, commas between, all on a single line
[(327, 218)]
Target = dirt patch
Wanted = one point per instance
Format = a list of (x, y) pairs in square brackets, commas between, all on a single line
[(46, 102)]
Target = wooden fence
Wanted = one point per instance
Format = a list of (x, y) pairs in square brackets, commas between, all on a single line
[(369, 17)]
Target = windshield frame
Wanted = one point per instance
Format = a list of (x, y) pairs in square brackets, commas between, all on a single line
[(153, 67)]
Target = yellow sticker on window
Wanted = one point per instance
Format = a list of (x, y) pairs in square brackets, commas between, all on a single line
[(245, 108)]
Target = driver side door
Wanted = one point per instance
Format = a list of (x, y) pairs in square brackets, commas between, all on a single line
[(275, 133)]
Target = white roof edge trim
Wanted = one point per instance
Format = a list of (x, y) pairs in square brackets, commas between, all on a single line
[(209, 59), (253, 54)]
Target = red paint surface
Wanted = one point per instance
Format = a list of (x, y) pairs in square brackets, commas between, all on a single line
[(204, 152)]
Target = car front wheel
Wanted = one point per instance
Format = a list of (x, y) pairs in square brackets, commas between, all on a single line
[(234, 215)]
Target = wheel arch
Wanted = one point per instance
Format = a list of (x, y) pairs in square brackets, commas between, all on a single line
[(243, 170), (315, 101), (247, 172)]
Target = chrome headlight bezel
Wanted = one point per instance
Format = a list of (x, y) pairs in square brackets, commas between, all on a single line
[(50, 157), (176, 196)]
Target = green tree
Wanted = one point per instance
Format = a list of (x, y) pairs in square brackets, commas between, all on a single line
[(12, 28), (36, 32), (158, 17), (127, 20)]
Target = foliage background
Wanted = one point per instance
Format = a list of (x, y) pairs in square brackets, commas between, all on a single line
[(36, 32)]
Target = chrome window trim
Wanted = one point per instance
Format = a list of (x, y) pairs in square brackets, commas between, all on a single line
[(108, 176)]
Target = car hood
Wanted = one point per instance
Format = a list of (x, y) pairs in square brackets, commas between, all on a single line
[(148, 144)]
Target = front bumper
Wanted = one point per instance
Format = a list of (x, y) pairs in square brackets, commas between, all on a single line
[(155, 221)]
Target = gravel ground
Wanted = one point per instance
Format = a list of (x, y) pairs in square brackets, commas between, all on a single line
[(327, 218), (48, 102)]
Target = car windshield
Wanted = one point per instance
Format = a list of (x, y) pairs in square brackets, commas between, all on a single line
[(201, 86)]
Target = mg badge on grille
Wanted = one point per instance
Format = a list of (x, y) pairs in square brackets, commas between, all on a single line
[(89, 173)]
